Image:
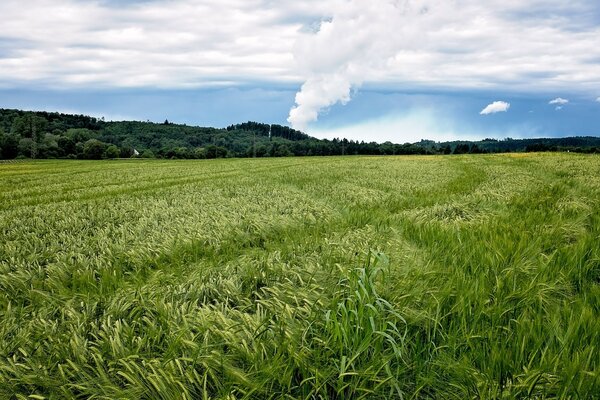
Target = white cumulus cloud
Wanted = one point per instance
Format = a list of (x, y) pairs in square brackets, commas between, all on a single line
[(598, 99), (407, 44), (558, 100), (495, 107), (358, 42)]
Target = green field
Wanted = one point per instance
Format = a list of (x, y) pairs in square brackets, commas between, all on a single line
[(341, 278)]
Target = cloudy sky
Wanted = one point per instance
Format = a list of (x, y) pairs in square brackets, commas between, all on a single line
[(398, 70)]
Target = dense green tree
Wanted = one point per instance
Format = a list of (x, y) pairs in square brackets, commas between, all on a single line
[(461, 148), (111, 151), (9, 145), (387, 148), (213, 151), (29, 125), (199, 153), (66, 146), (79, 150), (126, 152), (93, 149), (281, 150), (147, 154), (263, 150), (48, 146), (25, 147), (81, 134)]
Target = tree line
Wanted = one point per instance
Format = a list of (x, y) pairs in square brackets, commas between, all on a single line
[(26, 134)]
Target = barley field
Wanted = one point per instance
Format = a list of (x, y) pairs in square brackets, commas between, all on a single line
[(441, 277)]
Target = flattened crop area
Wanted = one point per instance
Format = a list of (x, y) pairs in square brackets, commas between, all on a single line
[(344, 277)]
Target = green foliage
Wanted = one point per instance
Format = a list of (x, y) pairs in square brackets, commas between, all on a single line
[(281, 150), (93, 149), (9, 145), (350, 277), (69, 133), (67, 145), (80, 134), (25, 147), (48, 147), (147, 154), (461, 148), (29, 125), (111, 151), (212, 151)]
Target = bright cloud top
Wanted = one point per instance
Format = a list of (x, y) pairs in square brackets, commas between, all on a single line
[(359, 43), (558, 100), (495, 107), (427, 43), (598, 99)]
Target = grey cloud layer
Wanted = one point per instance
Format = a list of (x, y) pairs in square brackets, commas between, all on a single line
[(158, 44), (544, 45)]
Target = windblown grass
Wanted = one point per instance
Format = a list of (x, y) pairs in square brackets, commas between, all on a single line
[(349, 277)]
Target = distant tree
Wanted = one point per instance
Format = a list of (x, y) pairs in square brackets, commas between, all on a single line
[(48, 146), (537, 146), (147, 154), (29, 125), (461, 148), (213, 151), (475, 149), (387, 148), (111, 151), (199, 153), (93, 149), (126, 152), (81, 134), (66, 146), (180, 152), (282, 150), (9, 145), (25, 147), (263, 150), (70, 133)]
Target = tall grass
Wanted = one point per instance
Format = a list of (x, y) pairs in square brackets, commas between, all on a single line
[(349, 277)]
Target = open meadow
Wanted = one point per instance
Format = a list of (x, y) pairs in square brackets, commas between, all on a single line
[(447, 277)]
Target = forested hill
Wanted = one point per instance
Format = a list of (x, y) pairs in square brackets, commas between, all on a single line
[(26, 134)]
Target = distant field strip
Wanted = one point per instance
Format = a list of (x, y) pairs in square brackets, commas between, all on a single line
[(333, 277)]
